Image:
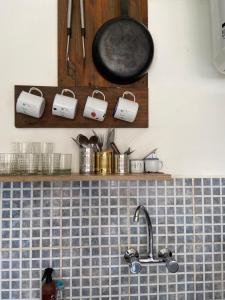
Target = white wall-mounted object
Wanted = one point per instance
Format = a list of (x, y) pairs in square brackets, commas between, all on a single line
[(65, 106), (30, 104), (217, 9)]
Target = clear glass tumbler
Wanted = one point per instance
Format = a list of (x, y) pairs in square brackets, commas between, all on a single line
[(65, 163), (50, 164), (32, 161), (8, 164), (26, 147), (47, 147)]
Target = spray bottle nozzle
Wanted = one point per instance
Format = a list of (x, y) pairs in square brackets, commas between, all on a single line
[(48, 275)]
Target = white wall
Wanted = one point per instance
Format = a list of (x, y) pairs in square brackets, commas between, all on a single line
[(187, 96)]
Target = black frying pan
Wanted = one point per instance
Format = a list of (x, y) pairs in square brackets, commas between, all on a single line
[(123, 48)]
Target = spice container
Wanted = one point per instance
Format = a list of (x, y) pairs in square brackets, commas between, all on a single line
[(104, 162), (121, 163)]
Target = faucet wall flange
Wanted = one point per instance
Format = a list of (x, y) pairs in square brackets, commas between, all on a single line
[(171, 264), (132, 258)]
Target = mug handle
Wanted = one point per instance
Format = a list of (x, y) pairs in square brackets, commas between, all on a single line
[(68, 91), (161, 164), (129, 93), (36, 89), (98, 92)]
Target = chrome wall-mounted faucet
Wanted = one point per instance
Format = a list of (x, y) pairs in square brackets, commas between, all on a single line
[(164, 255)]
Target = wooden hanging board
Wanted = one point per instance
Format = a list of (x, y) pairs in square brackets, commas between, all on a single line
[(87, 77), (50, 121), (97, 12)]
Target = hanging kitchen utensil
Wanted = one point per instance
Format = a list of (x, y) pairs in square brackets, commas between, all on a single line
[(150, 153), (93, 141), (76, 141), (69, 65), (110, 136), (115, 148), (82, 27), (123, 48), (83, 140), (129, 151)]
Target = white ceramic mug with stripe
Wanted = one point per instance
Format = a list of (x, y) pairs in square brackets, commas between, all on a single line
[(30, 104), (126, 110)]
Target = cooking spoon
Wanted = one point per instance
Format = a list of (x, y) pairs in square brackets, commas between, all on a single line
[(93, 141), (83, 140)]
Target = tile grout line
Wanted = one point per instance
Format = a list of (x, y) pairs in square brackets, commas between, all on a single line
[(71, 241), (119, 248), (129, 235), (194, 244), (100, 223), (221, 222), (41, 218), (213, 235), (89, 239), (203, 233)]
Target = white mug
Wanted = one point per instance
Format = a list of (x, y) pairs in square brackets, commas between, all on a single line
[(126, 110), (65, 106), (137, 166), (95, 108), (30, 104), (153, 165)]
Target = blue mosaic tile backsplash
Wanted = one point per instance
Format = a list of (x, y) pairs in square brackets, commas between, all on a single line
[(82, 230)]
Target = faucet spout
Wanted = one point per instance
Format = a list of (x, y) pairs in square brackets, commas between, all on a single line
[(150, 230)]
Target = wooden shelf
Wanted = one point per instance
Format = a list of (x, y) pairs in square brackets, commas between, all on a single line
[(79, 177)]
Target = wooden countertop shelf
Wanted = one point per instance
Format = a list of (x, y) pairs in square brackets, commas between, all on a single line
[(80, 177)]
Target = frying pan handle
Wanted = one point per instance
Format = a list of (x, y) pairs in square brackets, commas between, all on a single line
[(129, 93), (124, 7), (98, 92)]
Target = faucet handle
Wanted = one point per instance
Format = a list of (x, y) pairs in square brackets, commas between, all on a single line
[(132, 258), (165, 253), (171, 264)]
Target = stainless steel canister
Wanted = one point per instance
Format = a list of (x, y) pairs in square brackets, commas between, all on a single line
[(87, 160), (121, 163)]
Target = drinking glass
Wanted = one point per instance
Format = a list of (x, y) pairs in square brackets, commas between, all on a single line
[(65, 163), (32, 161), (26, 147), (8, 164), (47, 147), (50, 163)]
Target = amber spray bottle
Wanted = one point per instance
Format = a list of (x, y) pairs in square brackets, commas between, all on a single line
[(48, 286)]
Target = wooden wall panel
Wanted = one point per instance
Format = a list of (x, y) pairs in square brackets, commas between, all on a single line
[(112, 94), (87, 77), (97, 12)]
